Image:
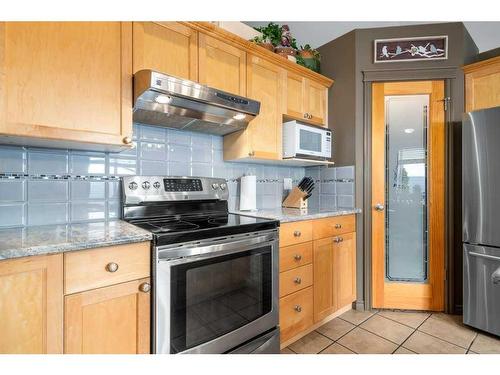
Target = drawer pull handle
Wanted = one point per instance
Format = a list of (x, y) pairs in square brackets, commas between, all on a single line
[(297, 257), (145, 287), (112, 267), (338, 226), (297, 280), (297, 233), (298, 308)]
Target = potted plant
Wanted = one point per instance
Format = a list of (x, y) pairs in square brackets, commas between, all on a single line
[(270, 36), (310, 57)]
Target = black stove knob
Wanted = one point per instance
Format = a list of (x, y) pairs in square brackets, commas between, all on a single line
[(146, 185), (156, 185), (132, 185)]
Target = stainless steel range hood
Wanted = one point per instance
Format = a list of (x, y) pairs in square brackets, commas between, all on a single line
[(171, 102)]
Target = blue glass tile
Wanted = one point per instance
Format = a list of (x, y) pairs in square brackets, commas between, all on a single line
[(12, 159), (47, 190), (47, 213), (12, 190), (12, 215), (83, 190), (47, 163)]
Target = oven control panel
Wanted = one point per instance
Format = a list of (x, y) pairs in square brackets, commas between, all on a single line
[(182, 184), (140, 189)]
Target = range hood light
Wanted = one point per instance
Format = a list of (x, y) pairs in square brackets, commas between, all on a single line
[(163, 99), (239, 116)]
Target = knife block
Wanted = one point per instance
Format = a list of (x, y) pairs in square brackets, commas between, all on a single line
[(295, 199)]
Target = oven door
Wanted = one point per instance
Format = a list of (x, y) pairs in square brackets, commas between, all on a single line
[(213, 296), (312, 141)]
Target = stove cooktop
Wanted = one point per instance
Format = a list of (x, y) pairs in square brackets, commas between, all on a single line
[(184, 228)]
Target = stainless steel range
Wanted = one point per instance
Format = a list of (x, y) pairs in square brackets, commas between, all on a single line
[(215, 274)]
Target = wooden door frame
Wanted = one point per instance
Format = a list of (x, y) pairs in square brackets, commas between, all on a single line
[(451, 78), (404, 295)]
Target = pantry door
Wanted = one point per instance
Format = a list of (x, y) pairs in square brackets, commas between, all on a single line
[(408, 207)]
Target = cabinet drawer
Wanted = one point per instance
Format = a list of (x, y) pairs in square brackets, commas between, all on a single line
[(296, 313), (296, 232), (295, 256), (333, 226), (90, 269), (296, 279)]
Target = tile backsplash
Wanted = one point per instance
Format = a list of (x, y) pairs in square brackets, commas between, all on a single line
[(50, 186)]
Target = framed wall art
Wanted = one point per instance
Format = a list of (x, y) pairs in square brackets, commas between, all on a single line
[(411, 49)]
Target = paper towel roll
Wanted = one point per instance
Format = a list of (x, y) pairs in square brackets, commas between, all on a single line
[(248, 193)]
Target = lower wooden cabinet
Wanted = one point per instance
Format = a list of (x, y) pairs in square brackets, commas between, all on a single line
[(111, 320), (344, 269), (31, 305), (324, 303), (296, 313)]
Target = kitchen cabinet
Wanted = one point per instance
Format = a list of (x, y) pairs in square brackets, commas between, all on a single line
[(221, 65), (317, 273), (344, 268), (31, 305), (324, 288), (262, 138), (110, 320), (166, 47), (66, 84), (482, 84), (306, 100), (107, 301)]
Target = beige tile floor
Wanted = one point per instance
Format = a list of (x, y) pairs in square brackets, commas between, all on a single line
[(395, 332)]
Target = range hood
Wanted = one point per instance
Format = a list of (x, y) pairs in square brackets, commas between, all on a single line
[(171, 102)]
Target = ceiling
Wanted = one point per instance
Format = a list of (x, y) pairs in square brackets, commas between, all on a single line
[(486, 35)]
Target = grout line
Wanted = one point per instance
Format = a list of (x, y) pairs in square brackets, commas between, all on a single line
[(415, 330), (472, 342), (442, 339), (406, 325)]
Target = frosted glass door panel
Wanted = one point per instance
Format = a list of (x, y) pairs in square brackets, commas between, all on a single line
[(406, 251)]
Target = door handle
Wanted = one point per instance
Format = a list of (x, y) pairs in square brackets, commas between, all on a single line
[(379, 207), (495, 276)]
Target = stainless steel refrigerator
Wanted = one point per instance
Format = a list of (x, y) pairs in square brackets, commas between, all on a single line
[(481, 218)]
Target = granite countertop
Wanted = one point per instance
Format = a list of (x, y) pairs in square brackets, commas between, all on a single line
[(285, 215), (51, 239)]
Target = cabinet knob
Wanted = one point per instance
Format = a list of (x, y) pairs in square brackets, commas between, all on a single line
[(251, 153), (297, 233), (336, 239), (297, 280), (338, 226), (305, 115), (127, 140), (297, 257), (145, 287), (112, 267), (298, 308)]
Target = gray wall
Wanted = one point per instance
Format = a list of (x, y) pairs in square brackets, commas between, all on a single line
[(350, 119)]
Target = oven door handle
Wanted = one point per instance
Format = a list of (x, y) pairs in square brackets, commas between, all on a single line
[(195, 253)]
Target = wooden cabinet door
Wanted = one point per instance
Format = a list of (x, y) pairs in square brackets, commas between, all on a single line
[(31, 305), (221, 65), (167, 47), (317, 99), (324, 303), (295, 96), (482, 85), (110, 320), (344, 269), (69, 81)]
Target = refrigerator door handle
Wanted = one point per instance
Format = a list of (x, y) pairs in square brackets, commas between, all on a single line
[(484, 256), (495, 276)]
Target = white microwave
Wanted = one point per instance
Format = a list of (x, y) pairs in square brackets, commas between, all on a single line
[(306, 141)]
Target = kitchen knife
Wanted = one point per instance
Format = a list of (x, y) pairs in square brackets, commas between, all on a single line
[(302, 183), (307, 196)]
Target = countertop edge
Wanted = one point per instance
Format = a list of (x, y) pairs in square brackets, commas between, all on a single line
[(284, 217)]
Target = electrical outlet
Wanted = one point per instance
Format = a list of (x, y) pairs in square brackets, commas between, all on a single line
[(287, 183)]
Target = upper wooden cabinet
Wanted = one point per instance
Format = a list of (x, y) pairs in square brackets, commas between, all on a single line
[(482, 84), (167, 47), (306, 100), (221, 65), (31, 305), (262, 138), (66, 84)]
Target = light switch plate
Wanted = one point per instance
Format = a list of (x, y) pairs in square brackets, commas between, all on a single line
[(287, 183)]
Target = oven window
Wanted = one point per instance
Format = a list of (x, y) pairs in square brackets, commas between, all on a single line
[(218, 295), (310, 141)]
